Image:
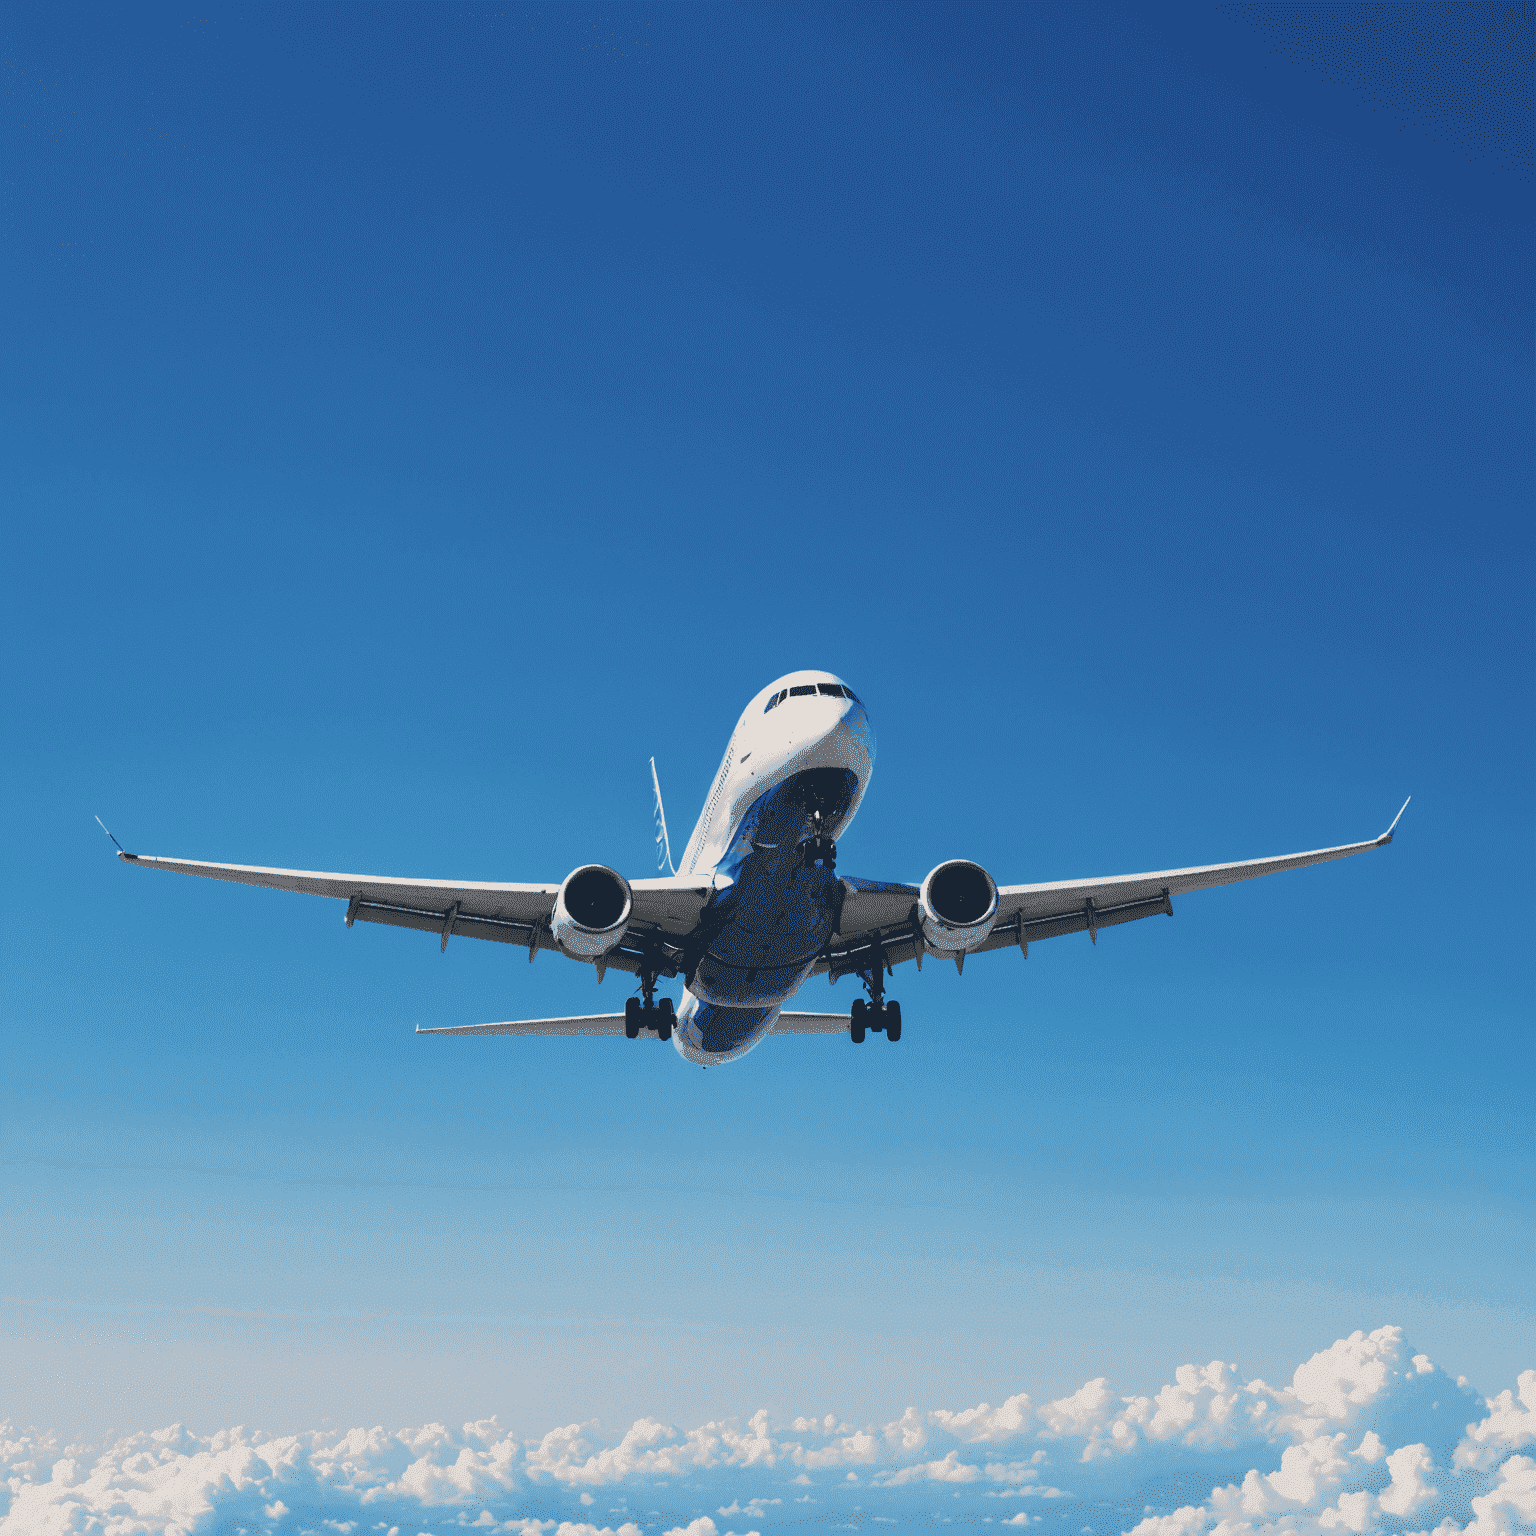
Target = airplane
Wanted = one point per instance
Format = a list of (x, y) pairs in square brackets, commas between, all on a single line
[(758, 907)]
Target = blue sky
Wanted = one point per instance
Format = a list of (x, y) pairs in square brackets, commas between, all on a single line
[(415, 420)]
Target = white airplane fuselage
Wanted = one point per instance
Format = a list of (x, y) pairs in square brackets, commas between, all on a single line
[(794, 772)]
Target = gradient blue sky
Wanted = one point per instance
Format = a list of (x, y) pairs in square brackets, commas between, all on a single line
[(416, 418)]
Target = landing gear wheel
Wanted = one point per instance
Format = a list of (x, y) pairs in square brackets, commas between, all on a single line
[(664, 1017), (631, 1018), (856, 1021), (893, 1021)]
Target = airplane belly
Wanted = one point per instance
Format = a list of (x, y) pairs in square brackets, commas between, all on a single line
[(730, 986), (709, 1035), (766, 949), (782, 907)]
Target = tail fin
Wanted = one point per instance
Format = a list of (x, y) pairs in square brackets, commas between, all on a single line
[(663, 842)]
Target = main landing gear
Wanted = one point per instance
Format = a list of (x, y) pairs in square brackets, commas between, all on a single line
[(876, 1014), (648, 1014)]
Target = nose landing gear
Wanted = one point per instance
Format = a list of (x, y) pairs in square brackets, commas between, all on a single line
[(819, 848)]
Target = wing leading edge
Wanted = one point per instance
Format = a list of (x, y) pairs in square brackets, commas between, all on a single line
[(665, 909)]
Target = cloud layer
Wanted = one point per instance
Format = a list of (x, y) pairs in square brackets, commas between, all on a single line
[(1367, 1437)]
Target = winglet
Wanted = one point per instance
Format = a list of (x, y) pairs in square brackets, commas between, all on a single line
[(1386, 837), (122, 852)]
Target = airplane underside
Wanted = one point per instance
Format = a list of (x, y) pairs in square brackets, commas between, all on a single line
[(774, 921)]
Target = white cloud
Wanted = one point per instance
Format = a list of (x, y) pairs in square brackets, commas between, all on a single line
[(1511, 1505), (1182, 1522), (976, 1425), (950, 1470), (859, 1448), (1344, 1448), (1506, 1428), (1409, 1465)]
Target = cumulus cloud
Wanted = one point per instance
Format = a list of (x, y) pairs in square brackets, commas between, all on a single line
[(1368, 1437), (1507, 1427), (976, 1425)]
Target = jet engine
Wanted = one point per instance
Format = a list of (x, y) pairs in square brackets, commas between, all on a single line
[(591, 911), (957, 906)]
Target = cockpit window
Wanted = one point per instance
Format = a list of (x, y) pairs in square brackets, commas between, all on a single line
[(804, 690)]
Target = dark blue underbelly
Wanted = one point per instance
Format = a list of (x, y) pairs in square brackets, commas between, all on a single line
[(724, 1030), (777, 916)]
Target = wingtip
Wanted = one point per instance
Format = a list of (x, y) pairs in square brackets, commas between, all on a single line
[(122, 852), (1386, 837)]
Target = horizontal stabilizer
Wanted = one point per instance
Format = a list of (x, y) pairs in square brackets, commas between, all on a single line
[(582, 1024), (811, 1024), (613, 1024)]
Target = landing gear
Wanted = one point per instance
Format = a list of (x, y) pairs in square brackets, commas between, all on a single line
[(648, 1015), (819, 848), (877, 1014)]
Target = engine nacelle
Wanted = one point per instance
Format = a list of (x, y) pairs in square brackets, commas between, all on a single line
[(957, 906), (591, 911)]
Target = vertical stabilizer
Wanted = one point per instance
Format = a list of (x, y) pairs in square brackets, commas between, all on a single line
[(663, 842)]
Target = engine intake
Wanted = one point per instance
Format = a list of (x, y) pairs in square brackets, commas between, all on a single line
[(591, 911), (957, 906)]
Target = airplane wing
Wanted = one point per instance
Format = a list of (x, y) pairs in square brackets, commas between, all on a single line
[(613, 1024), (879, 919), (664, 910)]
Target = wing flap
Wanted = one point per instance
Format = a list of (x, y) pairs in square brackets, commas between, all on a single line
[(1037, 901), (1027, 913)]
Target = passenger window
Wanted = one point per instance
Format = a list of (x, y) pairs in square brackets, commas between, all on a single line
[(832, 690), (804, 689)]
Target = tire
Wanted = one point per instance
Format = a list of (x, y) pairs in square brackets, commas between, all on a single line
[(893, 1021), (856, 1033), (631, 1018), (664, 1019)]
